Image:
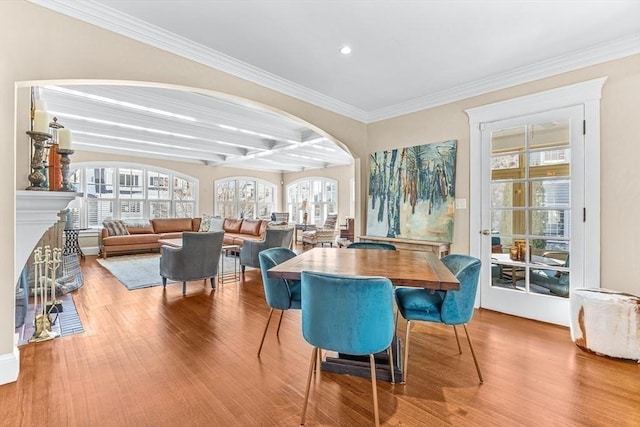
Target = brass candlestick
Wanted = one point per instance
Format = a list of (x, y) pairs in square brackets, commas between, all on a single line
[(36, 177), (64, 162)]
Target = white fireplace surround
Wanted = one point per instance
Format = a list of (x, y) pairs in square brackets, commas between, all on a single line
[(36, 211)]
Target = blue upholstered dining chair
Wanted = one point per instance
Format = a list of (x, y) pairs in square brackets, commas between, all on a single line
[(372, 245), (448, 307), (347, 314), (280, 294)]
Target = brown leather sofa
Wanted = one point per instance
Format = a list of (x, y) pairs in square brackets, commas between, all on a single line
[(236, 231), (146, 236)]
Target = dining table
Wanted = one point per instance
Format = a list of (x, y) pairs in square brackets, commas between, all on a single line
[(403, 267)]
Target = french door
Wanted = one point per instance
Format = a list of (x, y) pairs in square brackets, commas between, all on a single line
[(532, 213)]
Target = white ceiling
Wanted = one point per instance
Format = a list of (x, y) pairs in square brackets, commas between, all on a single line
[(407, 55)]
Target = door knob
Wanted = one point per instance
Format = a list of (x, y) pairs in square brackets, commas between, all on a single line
[(486, 232)]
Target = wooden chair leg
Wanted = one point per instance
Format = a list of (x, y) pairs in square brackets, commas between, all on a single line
[(312, 364), (457, 339), (279, 322), (374, 389), (473, 353), (213, 282), (264, 334), (184, 288), (164, 282), (405, 367)]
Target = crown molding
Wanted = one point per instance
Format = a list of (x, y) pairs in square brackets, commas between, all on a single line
[(112, 20), (593, 55)]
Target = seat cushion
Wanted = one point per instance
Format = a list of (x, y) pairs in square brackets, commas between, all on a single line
[(419, 304), (131, 239)]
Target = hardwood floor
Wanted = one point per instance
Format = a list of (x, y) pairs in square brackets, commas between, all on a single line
[(155, 358)]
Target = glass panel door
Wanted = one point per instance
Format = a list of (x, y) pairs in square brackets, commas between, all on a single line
[(533, 169)]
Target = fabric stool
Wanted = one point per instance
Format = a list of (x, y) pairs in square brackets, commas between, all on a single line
[(606, 322)]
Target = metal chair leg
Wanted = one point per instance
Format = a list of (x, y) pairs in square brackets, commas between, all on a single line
[(457, 339), (279, 322), (306, 393), (473, 353), (374, 389), (184, 288), (405, 367), (393, 373), (264, 334)]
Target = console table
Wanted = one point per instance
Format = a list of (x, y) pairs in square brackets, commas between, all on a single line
[(439, 248)]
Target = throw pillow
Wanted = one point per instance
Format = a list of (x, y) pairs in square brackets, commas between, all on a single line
[(115, 227), (205, 224), (216, 223)]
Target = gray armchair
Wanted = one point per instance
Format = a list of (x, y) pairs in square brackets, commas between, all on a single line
[(273, 238), (197, 258)]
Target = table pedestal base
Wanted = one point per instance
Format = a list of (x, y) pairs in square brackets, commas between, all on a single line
[(359, 365)]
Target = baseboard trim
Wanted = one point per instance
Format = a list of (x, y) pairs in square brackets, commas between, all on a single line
[(9, 366)]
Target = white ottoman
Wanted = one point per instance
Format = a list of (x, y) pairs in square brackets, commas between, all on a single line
[(606, 322)]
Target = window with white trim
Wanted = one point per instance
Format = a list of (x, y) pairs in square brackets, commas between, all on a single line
[(240, 197), (134, 193), (321, 195)]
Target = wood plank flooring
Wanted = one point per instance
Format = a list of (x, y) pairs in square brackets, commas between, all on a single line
[(151, 357)]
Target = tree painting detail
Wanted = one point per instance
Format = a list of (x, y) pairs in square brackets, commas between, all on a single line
[(412, 192)]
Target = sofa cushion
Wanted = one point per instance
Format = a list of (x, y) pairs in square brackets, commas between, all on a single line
[(140, 228), (251, 227), (115, 227), (232, 225), (171, 235), (169, 225), (133, 239)]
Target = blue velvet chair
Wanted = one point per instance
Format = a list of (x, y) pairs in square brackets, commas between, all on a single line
[(347, 314), (198, 258), (280, 294), (372, 245), (448, 307)]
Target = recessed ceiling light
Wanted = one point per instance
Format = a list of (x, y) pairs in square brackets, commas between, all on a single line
[(345, 50)]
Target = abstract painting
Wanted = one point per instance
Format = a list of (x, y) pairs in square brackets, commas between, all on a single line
[(412, 192)]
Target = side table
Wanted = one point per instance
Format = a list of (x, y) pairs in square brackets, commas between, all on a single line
[(71, 243), (231, 276), (303, 227)]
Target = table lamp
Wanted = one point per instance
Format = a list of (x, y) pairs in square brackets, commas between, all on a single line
[(303, 208)]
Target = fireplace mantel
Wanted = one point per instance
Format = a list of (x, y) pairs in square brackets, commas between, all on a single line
[(36, 211)]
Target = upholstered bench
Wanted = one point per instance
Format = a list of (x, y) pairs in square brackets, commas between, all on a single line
[(606, 322)]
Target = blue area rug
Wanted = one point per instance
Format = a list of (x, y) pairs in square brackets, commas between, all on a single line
[(142, 270)]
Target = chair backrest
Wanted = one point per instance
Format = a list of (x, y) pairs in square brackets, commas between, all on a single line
[(201, 252), (457, 306), (280, 216), (276, 291), (330, 222), (347, 314), (278, 237), (372, 245)]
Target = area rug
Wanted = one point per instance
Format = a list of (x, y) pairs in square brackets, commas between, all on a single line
[(143, 270)]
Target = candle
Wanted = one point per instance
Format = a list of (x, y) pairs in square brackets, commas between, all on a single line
[(64, 139), (39, 104), (41, 121)]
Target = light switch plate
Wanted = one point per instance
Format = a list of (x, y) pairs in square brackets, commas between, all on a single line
[(461, 203)]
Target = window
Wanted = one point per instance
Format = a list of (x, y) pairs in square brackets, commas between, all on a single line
[(321, 195), (131, 193), (240, 197)]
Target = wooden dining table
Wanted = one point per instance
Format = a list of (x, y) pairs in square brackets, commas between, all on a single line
[(403, 268)]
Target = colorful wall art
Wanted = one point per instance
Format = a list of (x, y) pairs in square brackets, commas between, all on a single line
[(412, 192)]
